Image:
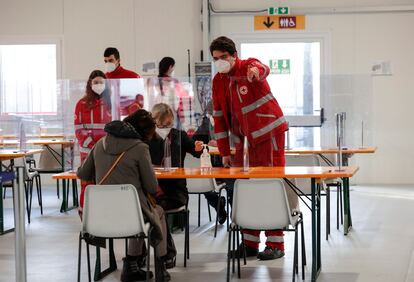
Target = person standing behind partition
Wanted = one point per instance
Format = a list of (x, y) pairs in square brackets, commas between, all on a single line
[(92, 112), (113, 67), (245, 107)]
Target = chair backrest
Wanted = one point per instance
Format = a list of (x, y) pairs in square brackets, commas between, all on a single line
[(261, 204), (304, 184), (21, 162), (112, 211), (50, 158), (197, 185)]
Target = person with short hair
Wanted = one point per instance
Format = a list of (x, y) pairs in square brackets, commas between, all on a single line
[(113, 66), (245, 107)]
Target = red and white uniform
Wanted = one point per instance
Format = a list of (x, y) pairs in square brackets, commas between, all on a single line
[(243, 108), (89, 128)]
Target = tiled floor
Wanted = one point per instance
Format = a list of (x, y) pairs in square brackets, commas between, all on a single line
[(379, 248)]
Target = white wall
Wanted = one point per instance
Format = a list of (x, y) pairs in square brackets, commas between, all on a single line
[(142, 30), (148, 30)]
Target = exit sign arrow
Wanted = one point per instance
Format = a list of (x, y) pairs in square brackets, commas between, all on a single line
[(269, 23)]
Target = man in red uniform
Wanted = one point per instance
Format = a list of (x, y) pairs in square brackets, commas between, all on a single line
[(245, 107)]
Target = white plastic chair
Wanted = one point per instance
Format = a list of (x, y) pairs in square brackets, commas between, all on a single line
[(112, 212), (270, 211), (30, 177), (50, 162), (200, 186)]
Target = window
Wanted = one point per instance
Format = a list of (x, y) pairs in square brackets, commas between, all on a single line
[(28, 76), (295, 69)]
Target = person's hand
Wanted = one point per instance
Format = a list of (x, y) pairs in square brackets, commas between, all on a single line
[(212, 143), (198, 146), (226, 161), (252, 74)]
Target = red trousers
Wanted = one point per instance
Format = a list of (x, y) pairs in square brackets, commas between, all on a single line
[(267, 153)]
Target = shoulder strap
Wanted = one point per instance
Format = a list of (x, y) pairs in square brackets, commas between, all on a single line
[(112, 168)]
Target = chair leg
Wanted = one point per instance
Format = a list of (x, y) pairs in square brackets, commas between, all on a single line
[(209, 211), (229, 255), (341, 201), (238, 250), (148, 254), (199, 208), (233, 269), (328, 212), (89, 262), (188, 233), (294, 256), (228, 211), (244, 248), (79, 256), (297, 249), (337, 205), (39, 193), (4, 192), (303, 251), (57, 189)]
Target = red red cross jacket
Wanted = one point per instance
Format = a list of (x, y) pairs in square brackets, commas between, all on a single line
[(245, 108), (120, 72), (90, 122)]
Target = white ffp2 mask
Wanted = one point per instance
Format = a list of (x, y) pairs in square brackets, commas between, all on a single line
[(222, 66), (163, 132), (98, 88), (110, 67)]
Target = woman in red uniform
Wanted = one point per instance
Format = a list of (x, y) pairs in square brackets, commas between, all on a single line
[(92, 112)]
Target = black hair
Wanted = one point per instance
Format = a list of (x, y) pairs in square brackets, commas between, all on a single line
[(111, 51), (165, 65), (223, 44), (143, 123)]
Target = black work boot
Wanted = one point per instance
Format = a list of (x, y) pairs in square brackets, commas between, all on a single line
[(222, 214), (131, 272), (161, 273)]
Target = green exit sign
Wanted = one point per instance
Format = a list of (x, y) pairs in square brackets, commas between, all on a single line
[(283, 10), (279, 66), (278, 11)]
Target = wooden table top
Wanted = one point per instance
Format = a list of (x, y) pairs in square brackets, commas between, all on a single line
[(13, 154), (9, 143), (313, 150), (50, 142), (12, 136), (254, 172), (332, 150)]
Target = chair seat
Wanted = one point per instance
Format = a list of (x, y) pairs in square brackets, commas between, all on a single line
[(32, 174), (44, 170), (182, 208)]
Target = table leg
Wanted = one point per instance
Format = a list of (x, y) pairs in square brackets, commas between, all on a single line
[(64, 206), (347, 209), (316, 230), (20, 239)]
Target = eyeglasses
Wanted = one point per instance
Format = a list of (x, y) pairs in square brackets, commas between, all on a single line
[(164, 125)]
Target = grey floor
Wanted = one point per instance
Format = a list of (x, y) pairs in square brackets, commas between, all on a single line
[(380, 246)]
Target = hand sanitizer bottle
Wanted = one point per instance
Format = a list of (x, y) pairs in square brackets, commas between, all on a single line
[(205, 160), (246, 165)]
